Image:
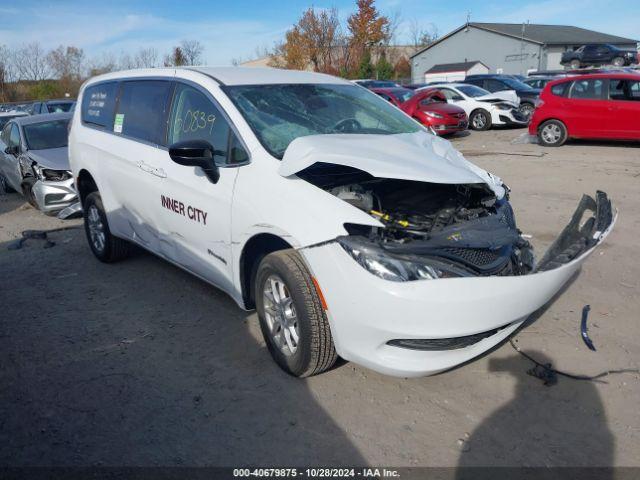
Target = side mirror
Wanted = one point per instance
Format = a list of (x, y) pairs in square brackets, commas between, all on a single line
[(196, 153), (12, 150)]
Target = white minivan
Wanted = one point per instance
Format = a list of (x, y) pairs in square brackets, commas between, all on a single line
[(349, 227)]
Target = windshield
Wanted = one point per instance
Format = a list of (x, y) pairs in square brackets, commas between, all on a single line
[(403, 94), (40, 136), (515, 84), (5, 119), (278, 114), (472, 91)]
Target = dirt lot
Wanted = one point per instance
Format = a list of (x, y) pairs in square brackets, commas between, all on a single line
[(139, 363)]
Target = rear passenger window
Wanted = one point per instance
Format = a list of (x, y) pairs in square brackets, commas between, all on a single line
[(195, 117), (98, 104), (587, 89), (141, 110), (620, 89)]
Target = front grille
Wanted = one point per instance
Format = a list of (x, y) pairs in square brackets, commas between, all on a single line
[(475, 256)]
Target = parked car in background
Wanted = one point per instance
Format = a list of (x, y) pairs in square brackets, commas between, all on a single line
[(538, 82), (52, 106), (429, 106), (9, 115), (34, 161), (351, 229), (496, 83), (588, 55), (483, 109), (595, 106), (376, 83)]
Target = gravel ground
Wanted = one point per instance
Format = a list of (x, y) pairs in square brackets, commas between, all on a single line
[(139, 363)]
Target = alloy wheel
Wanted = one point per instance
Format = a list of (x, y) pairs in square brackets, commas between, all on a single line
[(479, 120), (96, 229), (280, 315)]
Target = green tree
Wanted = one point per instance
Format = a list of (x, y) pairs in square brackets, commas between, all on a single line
[(384, 70), (365, 69)]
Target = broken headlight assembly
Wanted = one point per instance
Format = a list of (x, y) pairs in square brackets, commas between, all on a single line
[(396, 268), (50, 175)]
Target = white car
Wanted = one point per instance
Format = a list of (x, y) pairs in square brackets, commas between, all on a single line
[(483, 108), (349, 227)]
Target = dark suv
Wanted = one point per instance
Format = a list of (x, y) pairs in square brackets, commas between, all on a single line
[(496, 83), (599, 55)]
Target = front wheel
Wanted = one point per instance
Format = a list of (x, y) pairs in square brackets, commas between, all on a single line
[(292, 317), (526, 109), (104, 245), (27, 191), (618, 62), (552, 133), (480, 120), (575, 64)]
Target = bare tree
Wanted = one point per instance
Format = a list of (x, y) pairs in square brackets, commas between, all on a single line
[(30, 62), (421, 36), (146, 58), (192, 51), (66, 63), (104, 64)]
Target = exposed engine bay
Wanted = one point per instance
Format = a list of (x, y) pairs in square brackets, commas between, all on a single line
[(464, 230)]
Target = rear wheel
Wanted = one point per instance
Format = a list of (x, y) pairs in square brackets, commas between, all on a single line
[(552, 133), (292, 318), (480, 120), (104, 245)]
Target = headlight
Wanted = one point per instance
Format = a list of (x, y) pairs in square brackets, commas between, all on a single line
[(52, 175), (397, 268), (433, 115), (504, 106)]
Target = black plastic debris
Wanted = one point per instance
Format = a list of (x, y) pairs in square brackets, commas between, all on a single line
[(584, 331), (37, 235)]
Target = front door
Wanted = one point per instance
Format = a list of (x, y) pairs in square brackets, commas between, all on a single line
[(586, 109), (194, 214)]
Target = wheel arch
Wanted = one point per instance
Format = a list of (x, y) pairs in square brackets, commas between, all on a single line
[(545, 120), (85, 184), (253, 251)]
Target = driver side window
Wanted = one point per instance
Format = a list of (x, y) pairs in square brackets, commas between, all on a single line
[(14, 136), (195, 117)]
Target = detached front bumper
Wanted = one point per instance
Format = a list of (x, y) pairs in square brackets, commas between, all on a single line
[(460, 318), (52, 197)]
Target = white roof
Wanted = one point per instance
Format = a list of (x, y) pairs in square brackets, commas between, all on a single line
[(235, 75)]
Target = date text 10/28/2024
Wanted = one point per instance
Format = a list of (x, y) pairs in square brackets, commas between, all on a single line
[(317, 472)]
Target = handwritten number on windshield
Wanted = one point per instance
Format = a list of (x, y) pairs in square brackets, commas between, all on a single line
[(194, 121)]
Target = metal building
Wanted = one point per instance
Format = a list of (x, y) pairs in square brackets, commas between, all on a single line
[(509, 48)]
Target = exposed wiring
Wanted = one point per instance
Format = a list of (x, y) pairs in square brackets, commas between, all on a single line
[(547, 373)]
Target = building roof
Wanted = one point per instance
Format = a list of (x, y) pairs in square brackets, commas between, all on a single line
[(540, 34), (453, 67)]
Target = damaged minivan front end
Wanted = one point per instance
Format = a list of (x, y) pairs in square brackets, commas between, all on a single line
[(443, 273)]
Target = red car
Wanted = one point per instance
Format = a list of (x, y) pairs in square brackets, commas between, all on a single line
[(595, 106), (429, 107)]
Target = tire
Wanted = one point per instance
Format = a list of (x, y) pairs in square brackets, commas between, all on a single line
[(527, 109), (575, 64), (300, 305), (552, 133), (27, 192), (4, 185), (106, 248), (618, 62), (480, 120)]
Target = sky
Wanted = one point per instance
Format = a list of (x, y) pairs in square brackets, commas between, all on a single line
[(234, 29)]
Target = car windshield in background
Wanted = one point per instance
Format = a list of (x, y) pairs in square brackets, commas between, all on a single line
[(403, 94), (41, 136), (516, 84), (59, 107), (4, 120), (472, 91), (278, 114)]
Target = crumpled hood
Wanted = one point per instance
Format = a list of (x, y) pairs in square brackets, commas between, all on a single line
[(508, 95), (53, 158), (417, 156)]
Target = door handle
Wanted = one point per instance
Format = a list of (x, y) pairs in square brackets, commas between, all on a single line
[(158, 172)]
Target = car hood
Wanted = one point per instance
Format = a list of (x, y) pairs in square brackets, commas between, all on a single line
[(53, 158), (508, 95), (417, 156), (441, 107)]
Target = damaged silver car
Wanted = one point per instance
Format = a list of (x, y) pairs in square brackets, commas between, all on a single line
[(34, 161)]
